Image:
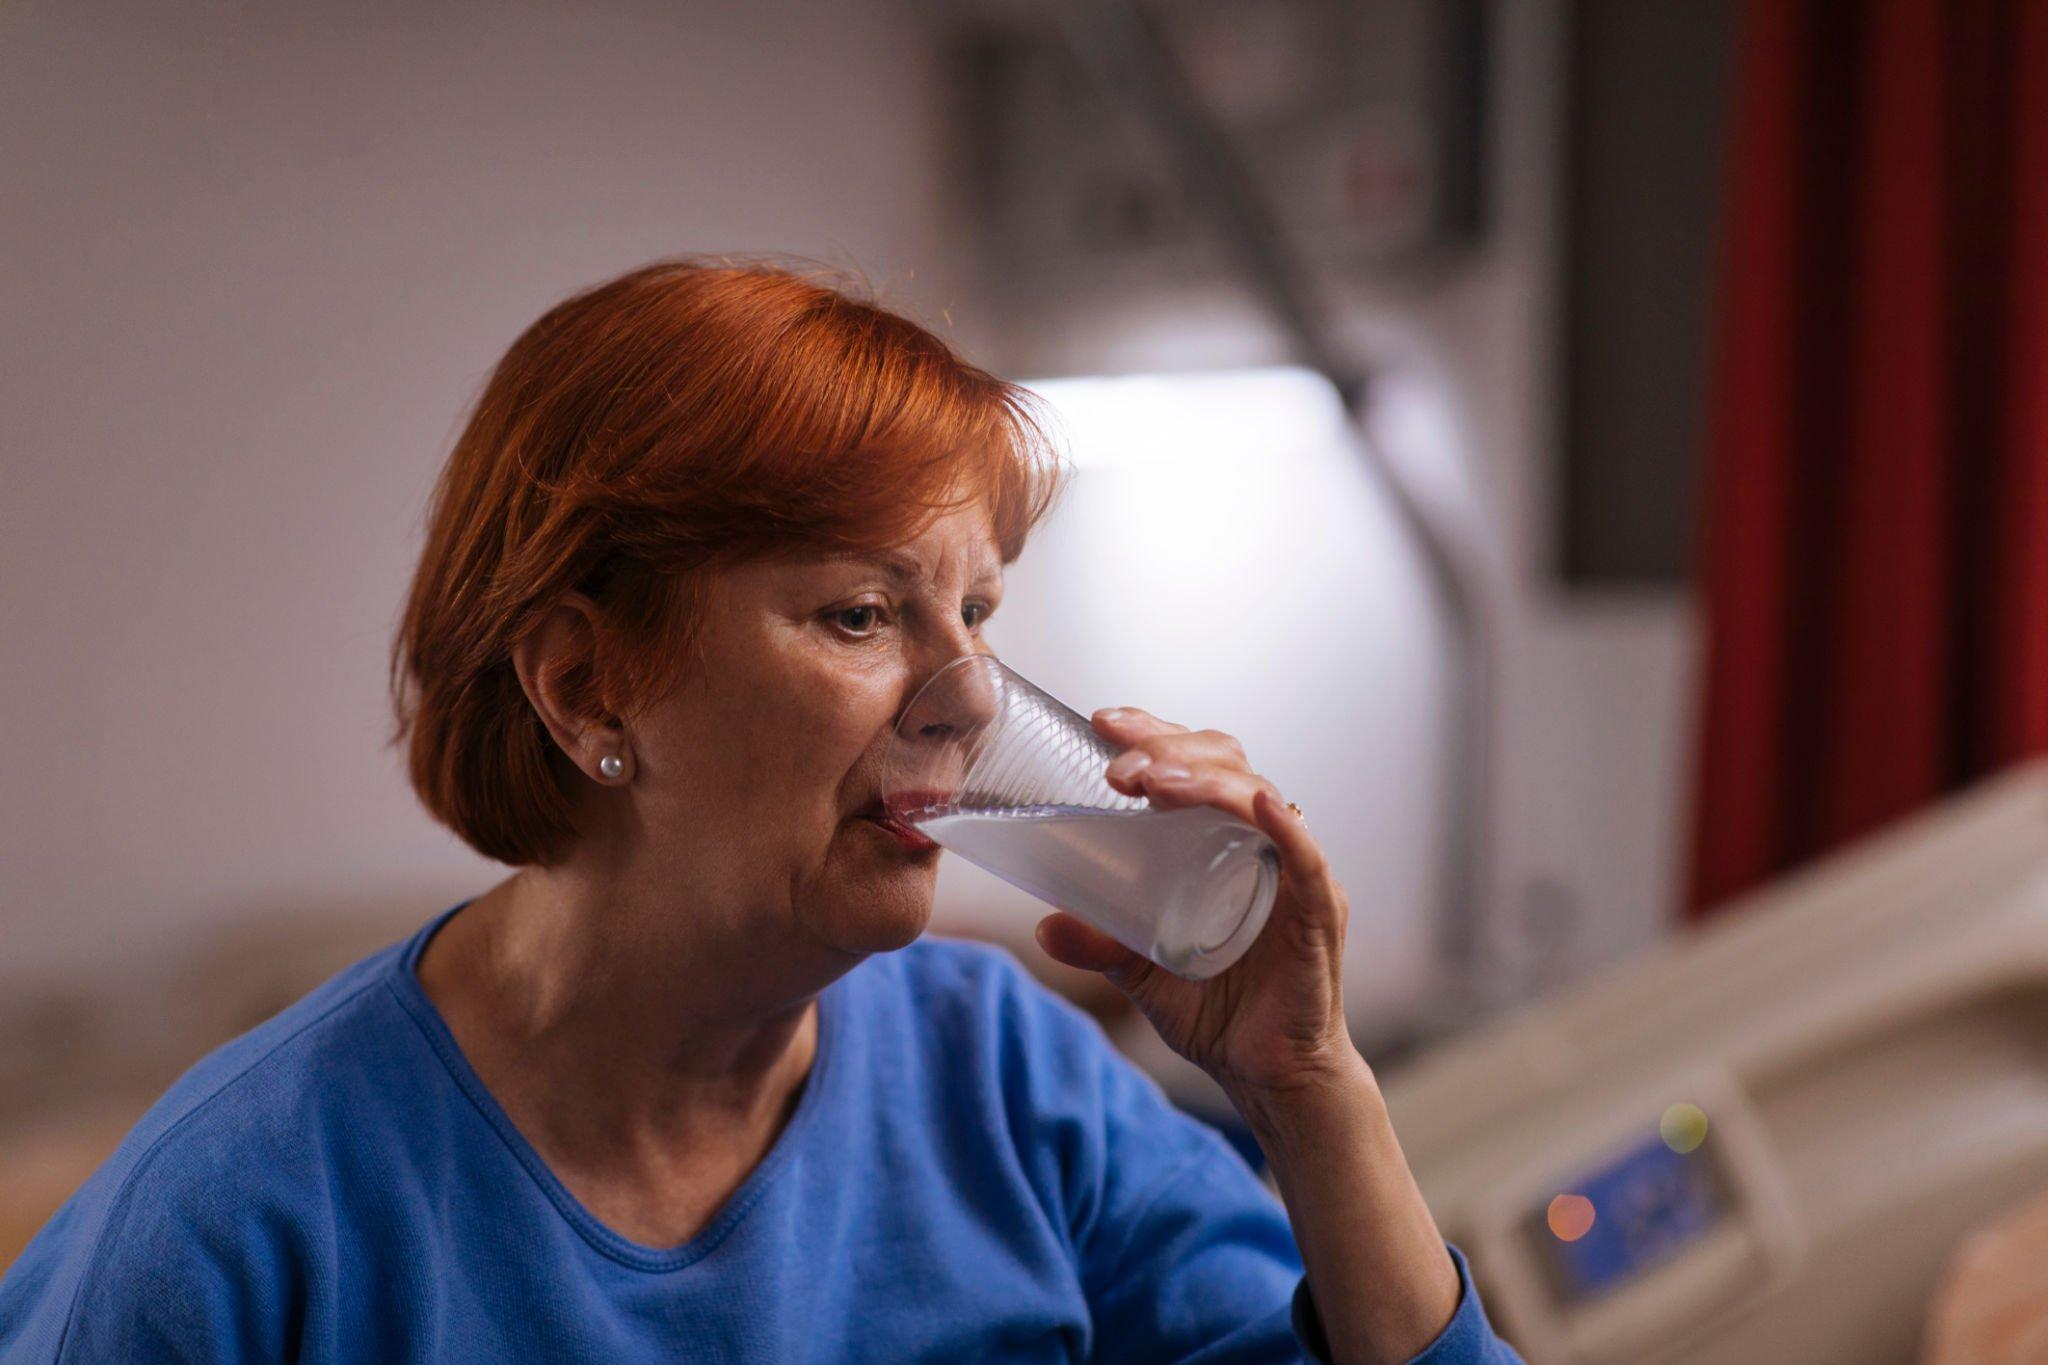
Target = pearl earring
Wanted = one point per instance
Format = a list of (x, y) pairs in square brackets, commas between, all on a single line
[(611, 765)]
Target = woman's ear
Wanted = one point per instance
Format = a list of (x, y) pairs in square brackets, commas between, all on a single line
[(549, 660)]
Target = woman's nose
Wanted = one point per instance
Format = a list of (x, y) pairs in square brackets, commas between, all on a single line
[(958, 697)]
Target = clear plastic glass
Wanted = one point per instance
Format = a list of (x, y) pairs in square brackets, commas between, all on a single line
[(992, 767)]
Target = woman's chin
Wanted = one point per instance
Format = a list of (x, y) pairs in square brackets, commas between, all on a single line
[(880, 896), (883, 921)]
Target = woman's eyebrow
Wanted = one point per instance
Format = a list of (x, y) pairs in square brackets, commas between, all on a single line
[(903, 569)]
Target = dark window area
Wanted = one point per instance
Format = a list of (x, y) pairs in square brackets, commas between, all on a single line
[(1648, 94)]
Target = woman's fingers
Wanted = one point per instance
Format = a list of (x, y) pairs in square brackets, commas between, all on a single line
[(1175, 758), (1300, 855), (1174, 767), (1150, 742), (1228, 789), (1066, 939), (1128, 723), (1325, 909)]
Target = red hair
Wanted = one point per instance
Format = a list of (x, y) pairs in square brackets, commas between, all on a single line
[(640, 435)]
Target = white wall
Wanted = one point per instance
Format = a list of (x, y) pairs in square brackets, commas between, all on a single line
[(1590, 757), (1222, 559), (254, 260)]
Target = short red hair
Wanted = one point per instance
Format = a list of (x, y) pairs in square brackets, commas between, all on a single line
[(681, 418)]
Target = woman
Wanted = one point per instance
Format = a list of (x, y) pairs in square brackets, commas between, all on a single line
[(688, 1084)]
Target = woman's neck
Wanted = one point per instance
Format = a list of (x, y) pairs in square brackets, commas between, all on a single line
[(650, 1065)]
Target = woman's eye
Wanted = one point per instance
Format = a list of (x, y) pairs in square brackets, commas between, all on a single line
[(860, 621), (866, 614)]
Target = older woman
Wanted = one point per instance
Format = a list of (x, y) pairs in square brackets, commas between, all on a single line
[(688, 1084)]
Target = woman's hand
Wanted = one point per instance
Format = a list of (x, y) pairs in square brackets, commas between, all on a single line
[(1271, 1026), (1271, 1030)]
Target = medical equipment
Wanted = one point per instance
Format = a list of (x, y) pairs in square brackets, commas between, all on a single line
[(1867, 1042)]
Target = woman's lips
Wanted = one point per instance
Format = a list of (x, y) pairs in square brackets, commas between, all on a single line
[(898, 816), (911, 801), (903, 834)]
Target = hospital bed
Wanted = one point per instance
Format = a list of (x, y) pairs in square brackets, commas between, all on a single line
[(1868, 1043)]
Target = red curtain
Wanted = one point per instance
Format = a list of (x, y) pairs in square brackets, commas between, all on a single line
[(1875, 549)]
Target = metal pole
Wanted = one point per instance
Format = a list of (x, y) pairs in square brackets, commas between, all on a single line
[(1124, 52)]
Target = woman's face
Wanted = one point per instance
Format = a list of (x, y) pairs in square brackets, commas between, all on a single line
[(751, 778)]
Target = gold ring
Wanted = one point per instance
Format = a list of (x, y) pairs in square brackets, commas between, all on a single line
[(1297, 812)]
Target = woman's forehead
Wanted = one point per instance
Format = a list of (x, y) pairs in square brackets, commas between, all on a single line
[(902, 567), (910, 566)]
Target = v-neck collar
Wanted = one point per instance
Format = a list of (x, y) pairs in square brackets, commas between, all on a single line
[(405, 983)]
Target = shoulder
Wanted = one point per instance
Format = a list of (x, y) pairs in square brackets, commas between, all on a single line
[(267, 1083), (1131, 1180), (984, 981), (941, 957), (981, 1007), (217, 1192), (1042, 1064)]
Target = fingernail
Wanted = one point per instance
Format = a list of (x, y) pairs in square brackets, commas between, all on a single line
[(1170, 772), (1129, 764), (1114, 713)]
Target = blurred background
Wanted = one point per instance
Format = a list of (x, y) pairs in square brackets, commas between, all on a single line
[(1594, 454)]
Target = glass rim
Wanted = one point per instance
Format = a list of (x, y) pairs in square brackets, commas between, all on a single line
[(896, 725), (931, 800)]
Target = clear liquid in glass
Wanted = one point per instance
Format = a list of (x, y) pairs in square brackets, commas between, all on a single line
[(1188, 888)]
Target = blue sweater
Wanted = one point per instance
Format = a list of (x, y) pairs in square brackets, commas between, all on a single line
[(972, 1172)]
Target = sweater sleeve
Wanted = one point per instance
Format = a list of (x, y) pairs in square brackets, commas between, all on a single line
[(1467, 1339), (1192, 1259), (1183, 1253), (184, 1270)]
